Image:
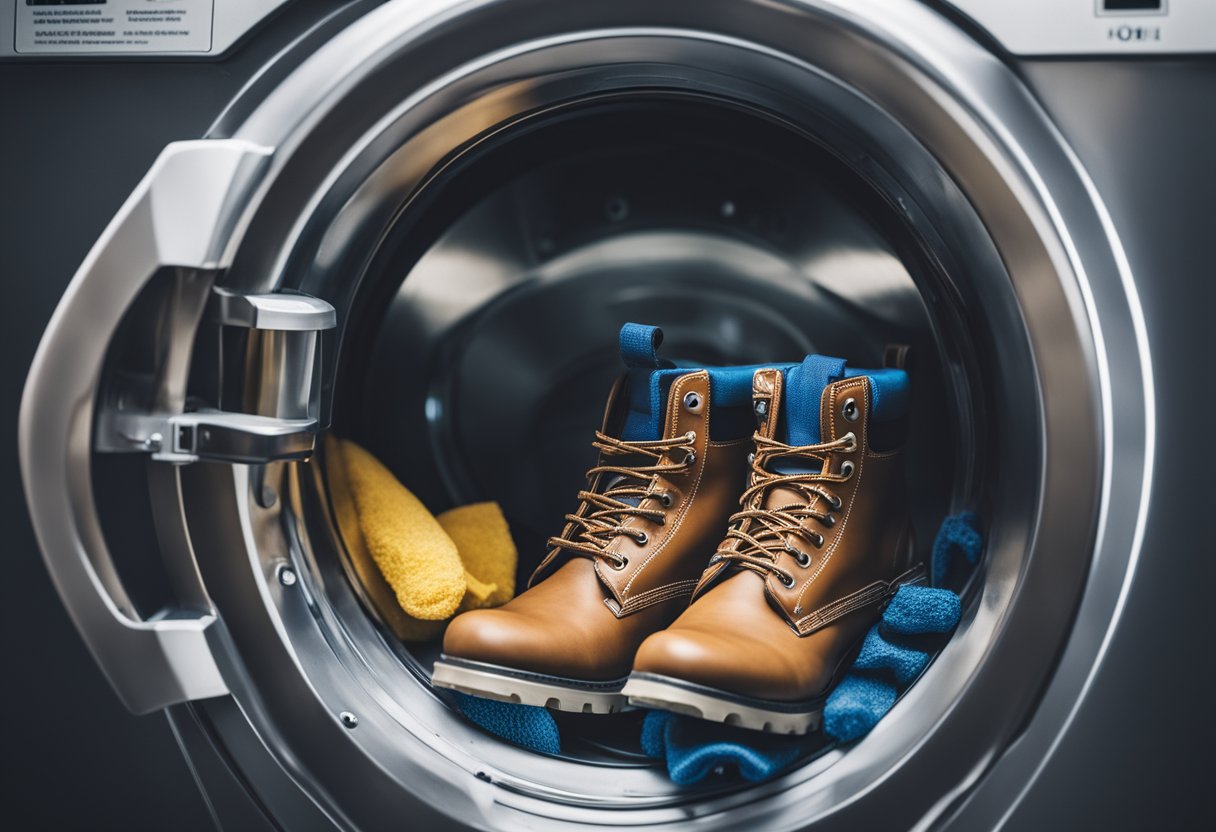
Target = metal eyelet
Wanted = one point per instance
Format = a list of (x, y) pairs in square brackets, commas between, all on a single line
[(817, 539), (835, 503), (847, 468), (751, 458), (829, 520), (620, 564), (802, 558), (692, 401), (665, 499), (786, 580), (850, 410), (691, 459), (852, 439), (641, 538)]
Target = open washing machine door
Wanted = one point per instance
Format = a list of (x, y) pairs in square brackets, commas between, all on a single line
[(445, 212)]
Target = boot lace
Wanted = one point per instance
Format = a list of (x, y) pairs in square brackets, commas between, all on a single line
[(761, 534), (602, 515)]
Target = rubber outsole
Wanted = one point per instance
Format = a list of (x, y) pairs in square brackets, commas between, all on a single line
[(654, 691), (506, 685)]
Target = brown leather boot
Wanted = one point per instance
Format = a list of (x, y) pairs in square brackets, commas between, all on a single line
[(629, 557), (822, 541)]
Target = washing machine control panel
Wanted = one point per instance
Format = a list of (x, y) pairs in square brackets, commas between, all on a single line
[(126, 27), (1097, 27)]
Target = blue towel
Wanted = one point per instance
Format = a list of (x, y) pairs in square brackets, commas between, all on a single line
[(525, 725), (958, 535), (692, 753)]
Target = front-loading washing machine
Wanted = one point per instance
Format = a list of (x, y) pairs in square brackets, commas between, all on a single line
[(418, 224)]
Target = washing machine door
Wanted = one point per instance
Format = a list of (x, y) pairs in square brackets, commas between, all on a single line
[(236, 303)]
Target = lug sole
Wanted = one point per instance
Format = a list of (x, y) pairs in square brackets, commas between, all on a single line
[(506, 685), (654, 691)]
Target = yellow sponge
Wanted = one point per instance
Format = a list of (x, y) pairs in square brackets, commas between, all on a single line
[(381, 595), (417, 558), (487, 550), (369, 506)]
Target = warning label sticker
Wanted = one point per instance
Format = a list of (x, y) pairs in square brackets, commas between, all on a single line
[(68, 26)]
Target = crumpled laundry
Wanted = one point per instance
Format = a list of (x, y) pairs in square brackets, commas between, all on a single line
[(417, 569), (895, 652)]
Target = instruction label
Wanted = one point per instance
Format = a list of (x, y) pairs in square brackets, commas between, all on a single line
[(87, 26)]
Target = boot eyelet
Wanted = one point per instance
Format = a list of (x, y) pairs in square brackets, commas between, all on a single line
[(665, 499), (835, 503), (751, 458), (802, 558), (641, 538), (619, 564), (787, 581), (846, 469), (850, 410), (817, 539), (852, 440), (829, 520), (692, 401), (691, 459)]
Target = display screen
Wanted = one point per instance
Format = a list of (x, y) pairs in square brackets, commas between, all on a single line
[(1132, 5)]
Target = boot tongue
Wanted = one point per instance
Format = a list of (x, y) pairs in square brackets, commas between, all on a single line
[(647, 382), (804, 386), (799, 416), (644, 395)]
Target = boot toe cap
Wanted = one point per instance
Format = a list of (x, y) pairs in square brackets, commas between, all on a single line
[(722, 662)]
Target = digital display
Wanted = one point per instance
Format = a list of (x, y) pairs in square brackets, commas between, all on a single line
[(1132, 5)]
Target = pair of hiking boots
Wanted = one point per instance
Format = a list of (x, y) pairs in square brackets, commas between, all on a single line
[(740, 533)]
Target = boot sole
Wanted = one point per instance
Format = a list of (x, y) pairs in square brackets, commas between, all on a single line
[(505, 684), (651, 690)]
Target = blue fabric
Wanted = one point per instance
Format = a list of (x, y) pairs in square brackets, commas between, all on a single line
[(649, 379), (525, 725), (640, 346), (915, 610), (958, 535), (903, 664), (890, 392), (681, 742), (856, 706), (804, 385)]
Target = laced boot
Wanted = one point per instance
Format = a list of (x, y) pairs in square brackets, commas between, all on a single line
[(822, 541), (672, 454)]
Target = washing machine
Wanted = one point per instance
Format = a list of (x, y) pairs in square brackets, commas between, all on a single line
[(234, 226)]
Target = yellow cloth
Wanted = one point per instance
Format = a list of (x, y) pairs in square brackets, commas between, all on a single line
[(481, 536), (417, 570)]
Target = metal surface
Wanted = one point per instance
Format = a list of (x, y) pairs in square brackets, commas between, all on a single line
[(174, 219), (121, 28), (1097, 27), (286, 313)]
